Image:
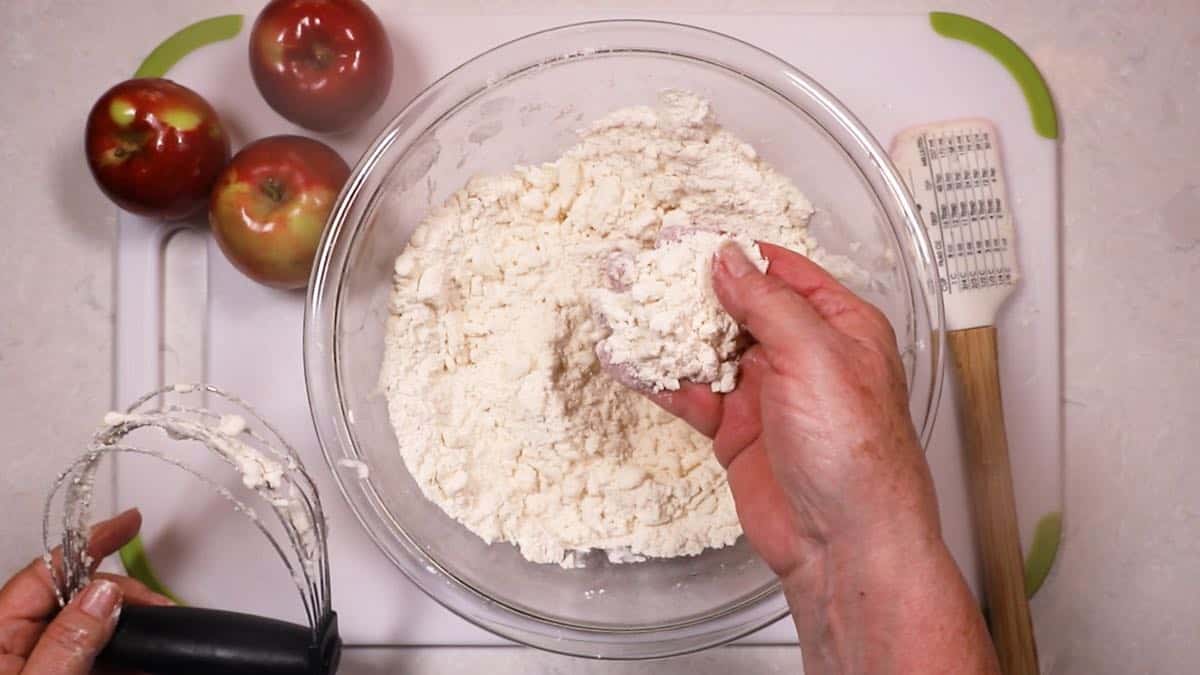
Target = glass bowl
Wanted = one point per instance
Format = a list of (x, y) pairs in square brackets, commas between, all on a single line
[(521, 103)]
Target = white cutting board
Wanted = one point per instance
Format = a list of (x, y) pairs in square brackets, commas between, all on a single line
[(183, 313)]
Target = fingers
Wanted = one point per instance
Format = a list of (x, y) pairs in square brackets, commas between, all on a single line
[(777, 316), (18, 636), (820, 288), (135, 592), (108, 536), (764, 509), (741, 422), (72, 640), (834, 302), (30, 594), (694, 403)]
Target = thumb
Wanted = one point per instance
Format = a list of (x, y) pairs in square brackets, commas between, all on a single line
[(778, 317), (71, 641)]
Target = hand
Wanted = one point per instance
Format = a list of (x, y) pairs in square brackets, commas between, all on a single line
[(829, 478), (36, 641), (816, 438)]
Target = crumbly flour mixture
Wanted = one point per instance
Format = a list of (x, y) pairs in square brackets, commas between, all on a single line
[(505, 295), (666, 324)]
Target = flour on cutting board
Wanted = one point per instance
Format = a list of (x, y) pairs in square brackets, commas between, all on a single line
[(503, 412)]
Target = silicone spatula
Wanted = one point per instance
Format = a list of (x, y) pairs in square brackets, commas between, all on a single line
[(954, 172)]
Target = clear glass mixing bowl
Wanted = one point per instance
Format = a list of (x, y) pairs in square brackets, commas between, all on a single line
[(520, 103)]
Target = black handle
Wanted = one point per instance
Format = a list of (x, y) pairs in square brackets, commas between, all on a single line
[(197, 641)]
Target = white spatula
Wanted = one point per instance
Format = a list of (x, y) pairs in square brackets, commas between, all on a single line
[(954, 172)]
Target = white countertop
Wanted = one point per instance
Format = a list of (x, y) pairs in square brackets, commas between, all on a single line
[(1122, 597)]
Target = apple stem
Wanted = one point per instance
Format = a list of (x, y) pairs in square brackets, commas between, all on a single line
[(322, 55), (273, 189), (129, 142)]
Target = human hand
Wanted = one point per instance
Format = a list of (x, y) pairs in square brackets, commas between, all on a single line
[(816, 438), (36, 641), (829, 478)]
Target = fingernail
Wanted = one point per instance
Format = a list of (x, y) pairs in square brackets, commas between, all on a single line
[(734, 260), (100, 599), (162, 600), (92, 528)]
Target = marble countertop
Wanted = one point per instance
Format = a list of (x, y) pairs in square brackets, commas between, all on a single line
[(1122, 597)]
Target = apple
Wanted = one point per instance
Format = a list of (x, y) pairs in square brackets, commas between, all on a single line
[(270, 205), (155, 147), (324, 64)]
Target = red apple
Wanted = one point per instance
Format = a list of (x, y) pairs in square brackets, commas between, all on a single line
[(323, 64), (270, 205), (155, 147)]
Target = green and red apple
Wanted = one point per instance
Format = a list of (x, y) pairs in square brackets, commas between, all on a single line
[(155, 147), (270, 205)]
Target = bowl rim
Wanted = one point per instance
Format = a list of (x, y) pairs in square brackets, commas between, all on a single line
[(323, 380)]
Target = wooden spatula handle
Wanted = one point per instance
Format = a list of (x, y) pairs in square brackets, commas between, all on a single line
[(994, 507)]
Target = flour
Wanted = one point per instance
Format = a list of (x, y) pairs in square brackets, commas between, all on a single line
[(275, 475), (266, 473), (504, 415), (259, 471), (665, 320), (231, 425), (359, 467)]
